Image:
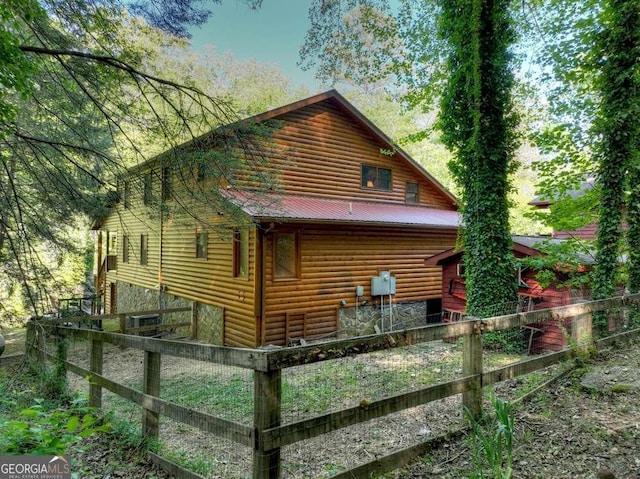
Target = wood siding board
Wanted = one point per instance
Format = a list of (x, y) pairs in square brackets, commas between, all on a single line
[(327, 278), (318, 150), (330, 138)]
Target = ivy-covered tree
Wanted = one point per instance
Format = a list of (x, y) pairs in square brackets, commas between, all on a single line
[(478, 121), (83, 98), (590, 74), (619, 153), (613, 124), (458, 51)]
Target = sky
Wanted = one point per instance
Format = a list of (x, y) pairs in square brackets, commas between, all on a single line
[(272, 34)]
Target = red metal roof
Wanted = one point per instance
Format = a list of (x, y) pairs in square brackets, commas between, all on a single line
[(305, 208)]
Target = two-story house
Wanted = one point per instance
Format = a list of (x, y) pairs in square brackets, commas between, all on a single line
[(344, 236)]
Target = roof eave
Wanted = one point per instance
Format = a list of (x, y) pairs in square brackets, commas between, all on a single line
[(267, 219)]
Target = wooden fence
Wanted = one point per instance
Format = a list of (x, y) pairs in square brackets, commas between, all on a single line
[(268, 435)]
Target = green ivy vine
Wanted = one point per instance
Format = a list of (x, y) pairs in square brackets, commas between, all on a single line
[(618, 127), (478, 123)]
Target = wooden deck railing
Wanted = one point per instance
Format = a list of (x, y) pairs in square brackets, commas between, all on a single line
[(268, 435)]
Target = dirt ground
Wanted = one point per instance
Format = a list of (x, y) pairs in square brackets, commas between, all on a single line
[(563, 431)]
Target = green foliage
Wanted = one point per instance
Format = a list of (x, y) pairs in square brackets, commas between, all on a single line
[(16, 69), (618, 126), (42, 431), (34, 422), (492, 441), (590, 75), (563, 263), (198, 462), (478, 123), (509, 342), (88, 91), (355, 42), (127, 431), (51, 382)]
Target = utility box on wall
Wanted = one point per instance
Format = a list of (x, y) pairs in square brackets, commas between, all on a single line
[(383, 285)]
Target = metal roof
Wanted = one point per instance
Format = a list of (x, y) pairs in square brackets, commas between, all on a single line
[(273, 207), (528, 245)]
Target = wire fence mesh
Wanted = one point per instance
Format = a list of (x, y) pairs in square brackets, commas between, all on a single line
[(309, 391), (328, 386)]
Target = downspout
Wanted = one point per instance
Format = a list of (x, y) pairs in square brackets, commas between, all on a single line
[(160, 279), (259, 275), (99, 282)]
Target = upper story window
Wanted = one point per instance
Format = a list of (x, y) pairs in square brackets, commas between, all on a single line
[(148, 191), (127, 194), (125, 248), (112, 250), (112, 242), (376, 178), (412, 193), (202, 244), (166, 183)]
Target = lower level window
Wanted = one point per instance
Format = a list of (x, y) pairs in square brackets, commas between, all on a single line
[(286, 255), (241, 254), (144, 249)]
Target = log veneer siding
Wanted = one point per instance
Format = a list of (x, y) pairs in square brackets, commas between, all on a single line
[(336, 259), (318, 150)]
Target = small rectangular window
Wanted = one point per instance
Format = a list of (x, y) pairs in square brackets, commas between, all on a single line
[(144, 249), (376, 178), (112, 251), (201, 173), (460, 270), (112, 243), (148, 191), (241, 253), (127, 194), (285, 255), (202, 244), (125, 248), (166, 183), (411, 195)]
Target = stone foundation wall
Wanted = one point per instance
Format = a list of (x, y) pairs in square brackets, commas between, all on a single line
[(136, 298), (369, 318)]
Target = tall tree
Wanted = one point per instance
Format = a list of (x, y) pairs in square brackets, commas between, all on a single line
[(81, 102), (618, 125), (590, 72), (472, 39), (478, 121)]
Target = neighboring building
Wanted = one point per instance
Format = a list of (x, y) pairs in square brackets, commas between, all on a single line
[(343, 236), (588, 231), (532, 296)]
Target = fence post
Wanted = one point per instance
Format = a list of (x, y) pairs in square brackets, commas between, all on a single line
[(471, 366), (95, 366), (581, 332), (41, 344), (194, 319), (267, 404), (122, 319), (31, 341), (150, 419)]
